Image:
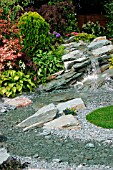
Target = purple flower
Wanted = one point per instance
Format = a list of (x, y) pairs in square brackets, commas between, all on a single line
[(58, 35), (54, 32)]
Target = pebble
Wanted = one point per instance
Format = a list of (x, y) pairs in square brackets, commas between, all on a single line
[(89, 145)]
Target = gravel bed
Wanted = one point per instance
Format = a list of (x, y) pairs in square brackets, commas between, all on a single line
[(90, 148)]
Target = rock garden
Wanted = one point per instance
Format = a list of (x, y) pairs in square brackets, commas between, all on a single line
[(56, 91)]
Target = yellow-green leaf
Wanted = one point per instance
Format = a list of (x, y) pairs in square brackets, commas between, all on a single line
[(16, 78)]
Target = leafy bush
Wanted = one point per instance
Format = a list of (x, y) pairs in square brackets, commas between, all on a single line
[(13, 82), (12, 7), (34, 30), (48, 63), (60, 16), (93, 28), (109, 15), (10, 52), (8, 28), (82, 36)]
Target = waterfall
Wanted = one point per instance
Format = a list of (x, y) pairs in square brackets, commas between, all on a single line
[(93, 70), (91, 78), (95, 66)]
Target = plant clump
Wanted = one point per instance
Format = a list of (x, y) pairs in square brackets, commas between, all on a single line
[(48, 63), (71, 111), (93, 28), (34, 30), (81, 36), (13, 82)]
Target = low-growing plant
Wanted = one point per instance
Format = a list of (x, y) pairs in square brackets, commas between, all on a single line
[(48, 63), (111, 61), (13, 82), (93, 28), (34, 30), (71, 111), (83, 36)]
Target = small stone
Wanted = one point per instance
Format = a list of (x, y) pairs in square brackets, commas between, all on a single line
[(57, 160), (36, 156), (3, 110), (45, 133), (89, 145)]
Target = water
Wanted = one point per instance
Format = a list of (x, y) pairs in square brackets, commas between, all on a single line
[(95, 66), (91, 78)]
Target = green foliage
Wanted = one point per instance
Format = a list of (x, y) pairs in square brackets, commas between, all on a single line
[(48, 63), (71, 111), (53, 2), (60, 16), (13, 82), (56, 41), (102, 117), (93, 28), (109, 15), (12, 7), (111, 61), (84, 37), (34, 30)]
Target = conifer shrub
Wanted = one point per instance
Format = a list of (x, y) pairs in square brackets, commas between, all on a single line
[(34, 30)]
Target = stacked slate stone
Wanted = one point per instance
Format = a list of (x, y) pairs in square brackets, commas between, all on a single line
[(78, 61)]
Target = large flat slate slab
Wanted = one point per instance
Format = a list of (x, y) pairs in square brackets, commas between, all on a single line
[(62, 122), (43, 115)]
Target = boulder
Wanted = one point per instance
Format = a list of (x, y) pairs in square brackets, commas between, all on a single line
[(62, 122), (61, 81), (3, 155), (99, 38), (104, 67), (18, 101), (68, 64), (74, 103), (81, 65), (103, 50), (43, 115), (98, 44), (72, 55)]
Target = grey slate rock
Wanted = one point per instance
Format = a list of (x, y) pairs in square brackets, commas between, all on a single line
[(3, 155), (72, 55), (103, 50), (43, 115), (81, 65), (76, 103), (98, 44)]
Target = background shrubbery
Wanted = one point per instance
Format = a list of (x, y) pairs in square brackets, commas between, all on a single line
[(60, 16)]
